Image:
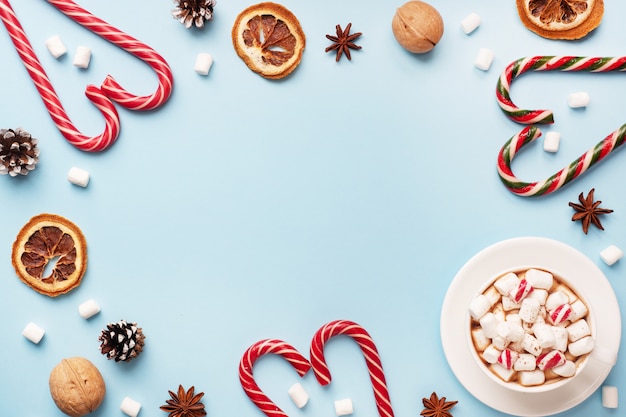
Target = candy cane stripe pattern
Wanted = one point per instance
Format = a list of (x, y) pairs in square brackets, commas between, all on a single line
[(251, 355), (142, 51), (372, 359), (49, 96), (578, 167), (547, 63)]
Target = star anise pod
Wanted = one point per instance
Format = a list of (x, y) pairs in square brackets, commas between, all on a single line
[(437, 407), (343, 42), (588, 211), (184, 404)]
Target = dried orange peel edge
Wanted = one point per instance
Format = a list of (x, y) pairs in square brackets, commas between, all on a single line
[(576, 32), (68, 246)]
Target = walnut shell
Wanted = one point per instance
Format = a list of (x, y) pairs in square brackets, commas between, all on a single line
[(417, 26), (76, 386)]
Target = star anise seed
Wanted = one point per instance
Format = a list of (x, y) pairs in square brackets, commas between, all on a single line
[(184, 404), (588, 211), (343, 42), (437, 407)]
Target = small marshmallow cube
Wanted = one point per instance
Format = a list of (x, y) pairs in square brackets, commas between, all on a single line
[(502, 372), (531, 378), (561, 338), (298, 395), (82, 57), (479, 306), (609, 396), (55, 46), (581, 346), (78, 176), (506, 283), (491, 354), (539, 279), (568, 369), (484, 59), (489, 324), (556, 299), (545, 336), (578, 330), (611, 254), (577, 100), (88, 309), (529, 310), (470, 23), (33, 332), (525, 362), (203, 64), (130, 407), (509, 304), (531, 345), (540, 295), (579, 309), (551, 142), (344, 407)]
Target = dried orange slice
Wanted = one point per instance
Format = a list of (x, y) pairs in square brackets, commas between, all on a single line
[(561, 19), (269, 39), (49, 238)]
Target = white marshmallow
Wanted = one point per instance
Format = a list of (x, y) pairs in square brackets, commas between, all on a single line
[(609, 396), (507, 358), (525, 362), (203, 63), (55, 46), (551, 142), (502, 372), (579, 99), (130, 407), (470, 23), (571, 296), (550, 360), (78, 176), (484, 59), (33, 332), (481, 341), (298, 395), (489, 324), (344, 407), (529, 310), (506, 283), (540, 295), (82, 57), (568, 369), (510, 332), (556, 299), (491, 354), (561, 338), (88, 309), (579, 309), (544, 335), (578, 330), (531, 378), (539, 279), (492, 295), (499, 342), (611, 254), (479, 306), (514, 319), (509, 304), (581, 346), (531, 345)]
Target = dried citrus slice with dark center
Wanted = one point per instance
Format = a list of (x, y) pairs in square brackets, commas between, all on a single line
[(561, 19), (269, 39), (50, 254)]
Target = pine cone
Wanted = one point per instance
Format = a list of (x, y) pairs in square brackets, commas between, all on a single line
[(18, 152), (196, 12), (121, 341)]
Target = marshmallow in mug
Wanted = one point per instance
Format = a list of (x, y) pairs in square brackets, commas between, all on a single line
[(530, 327)]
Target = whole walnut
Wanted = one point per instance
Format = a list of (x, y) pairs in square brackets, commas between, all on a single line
[(417, 26), (76, 386)]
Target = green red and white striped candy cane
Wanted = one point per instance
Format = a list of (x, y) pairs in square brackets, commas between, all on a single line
[(531, 117)]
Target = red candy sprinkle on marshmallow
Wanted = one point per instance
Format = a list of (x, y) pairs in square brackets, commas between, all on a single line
[(561, 313), (522, 289), (550, 360)]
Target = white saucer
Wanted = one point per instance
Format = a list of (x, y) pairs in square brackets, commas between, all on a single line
[(526, 252)]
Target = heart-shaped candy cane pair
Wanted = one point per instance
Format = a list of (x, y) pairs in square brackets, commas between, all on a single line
[(317, 362)]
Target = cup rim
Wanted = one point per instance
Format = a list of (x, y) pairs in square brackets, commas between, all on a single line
[(515, 386)]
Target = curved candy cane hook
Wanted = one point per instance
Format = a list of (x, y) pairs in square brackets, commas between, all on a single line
[(575, 169), (140, 50), (372, 358), (547, 63), (49, 96), (254, 352)]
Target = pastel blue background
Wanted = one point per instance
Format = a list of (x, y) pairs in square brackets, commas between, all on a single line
[(247, 209)]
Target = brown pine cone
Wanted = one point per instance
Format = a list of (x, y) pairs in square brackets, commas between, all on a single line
[(121, 341), (19, 153)]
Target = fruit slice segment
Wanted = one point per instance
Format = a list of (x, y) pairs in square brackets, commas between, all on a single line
[(269, 39), (561, 19), (49, 238)]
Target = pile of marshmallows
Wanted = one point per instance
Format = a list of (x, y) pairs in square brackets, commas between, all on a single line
[(531, 328)]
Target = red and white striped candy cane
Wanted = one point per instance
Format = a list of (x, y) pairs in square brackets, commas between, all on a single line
[(547, 63), (254, 352), (372, 359), (49, 96), (142, 51), (575, 169)]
